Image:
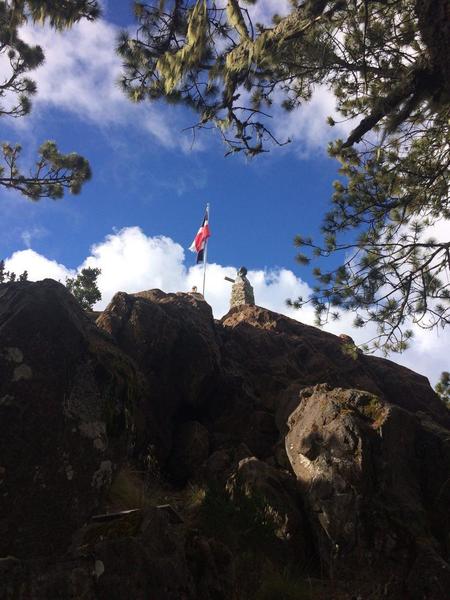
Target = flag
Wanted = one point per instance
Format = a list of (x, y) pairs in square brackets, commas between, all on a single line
[(199, 243)]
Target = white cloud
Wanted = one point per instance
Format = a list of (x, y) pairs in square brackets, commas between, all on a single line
[(34, 232), (264, 10), (307, 127), (440, 230), (80, 76), (428, 353), (38, 266), (131, 261)]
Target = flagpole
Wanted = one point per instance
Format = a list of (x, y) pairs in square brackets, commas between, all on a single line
[(205, 255)]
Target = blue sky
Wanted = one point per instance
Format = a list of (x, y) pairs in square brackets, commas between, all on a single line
[(149, 182)]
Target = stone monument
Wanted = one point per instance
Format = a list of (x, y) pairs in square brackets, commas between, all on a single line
[(241, 290)]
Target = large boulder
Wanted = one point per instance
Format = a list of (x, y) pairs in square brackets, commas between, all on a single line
[(275, 357), (364, 466), (268, 358), (172, 339), (68, 402)]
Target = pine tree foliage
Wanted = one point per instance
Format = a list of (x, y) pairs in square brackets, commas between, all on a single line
[(84, 287), (53, 171), (388, 65)]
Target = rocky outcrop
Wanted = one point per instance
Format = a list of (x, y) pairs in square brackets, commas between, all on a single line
[(68, 401), (364, 479), (277, 356), (172, 339), (304, 455), (149, 558)]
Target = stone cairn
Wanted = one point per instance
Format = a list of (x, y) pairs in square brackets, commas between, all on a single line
[(241, 290)]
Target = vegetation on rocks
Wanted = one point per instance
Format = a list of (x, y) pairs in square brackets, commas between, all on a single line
[(84, 287)]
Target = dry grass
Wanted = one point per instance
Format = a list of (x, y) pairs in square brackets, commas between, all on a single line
[(130, 489)]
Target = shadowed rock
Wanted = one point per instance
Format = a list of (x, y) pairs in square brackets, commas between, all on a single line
[(67, 404), (172, 339), (347, 455)]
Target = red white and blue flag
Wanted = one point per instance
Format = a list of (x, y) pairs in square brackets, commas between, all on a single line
[(199, 243)]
